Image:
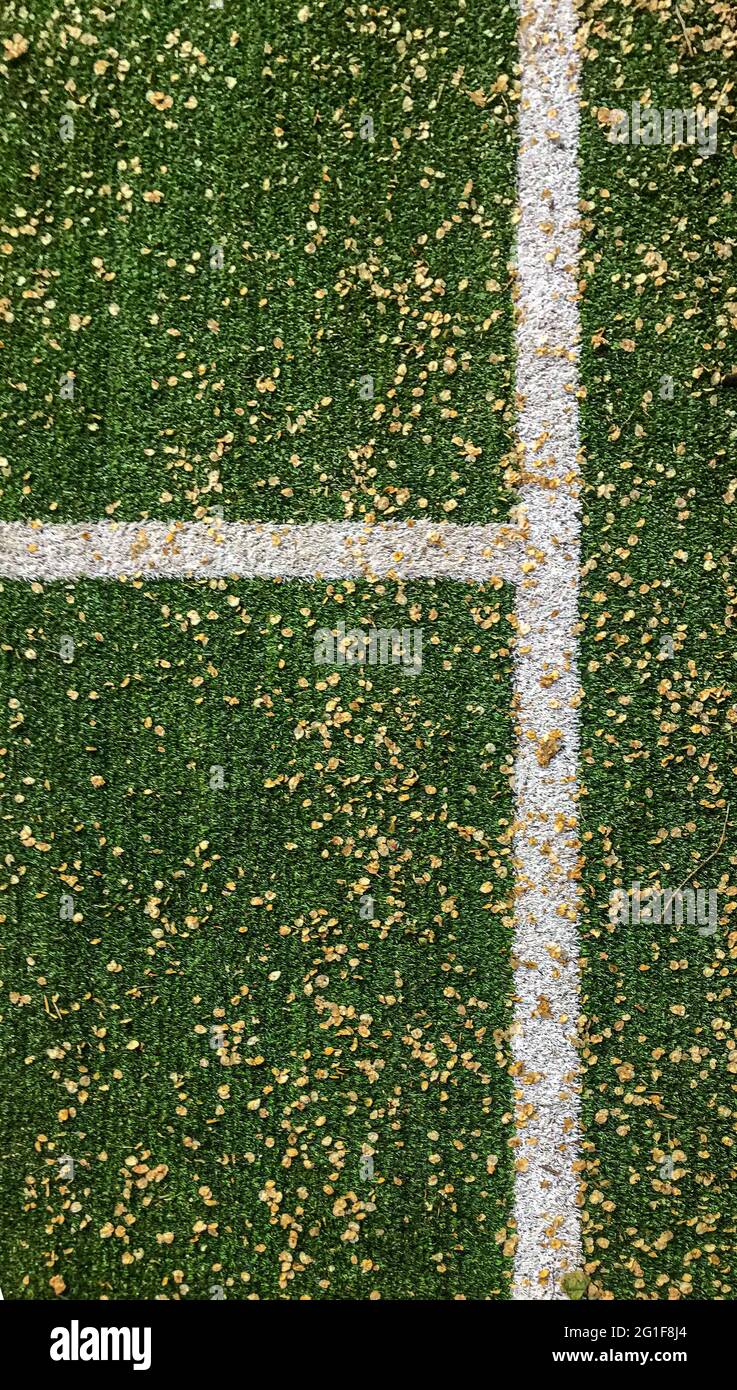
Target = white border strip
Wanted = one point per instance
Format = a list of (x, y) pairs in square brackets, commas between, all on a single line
[(199, 549), (546, 676)]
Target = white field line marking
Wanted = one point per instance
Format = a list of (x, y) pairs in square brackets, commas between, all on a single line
[(547, 692), (319, 550)]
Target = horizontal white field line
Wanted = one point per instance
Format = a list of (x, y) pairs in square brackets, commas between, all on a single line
[(259, 550)]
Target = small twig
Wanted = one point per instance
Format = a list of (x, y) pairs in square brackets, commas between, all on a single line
[(709, 857), (685, 32)]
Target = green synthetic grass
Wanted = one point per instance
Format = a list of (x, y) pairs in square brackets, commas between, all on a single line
[(659, 759), (239, 388), (243, 386), (343, 258), (240, 907)]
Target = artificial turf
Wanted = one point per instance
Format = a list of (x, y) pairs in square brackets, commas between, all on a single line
[(245, 387), (273, 260), (144, 907), (658, 658)]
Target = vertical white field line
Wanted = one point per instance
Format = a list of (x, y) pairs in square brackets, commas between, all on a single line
[(547, 691)]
